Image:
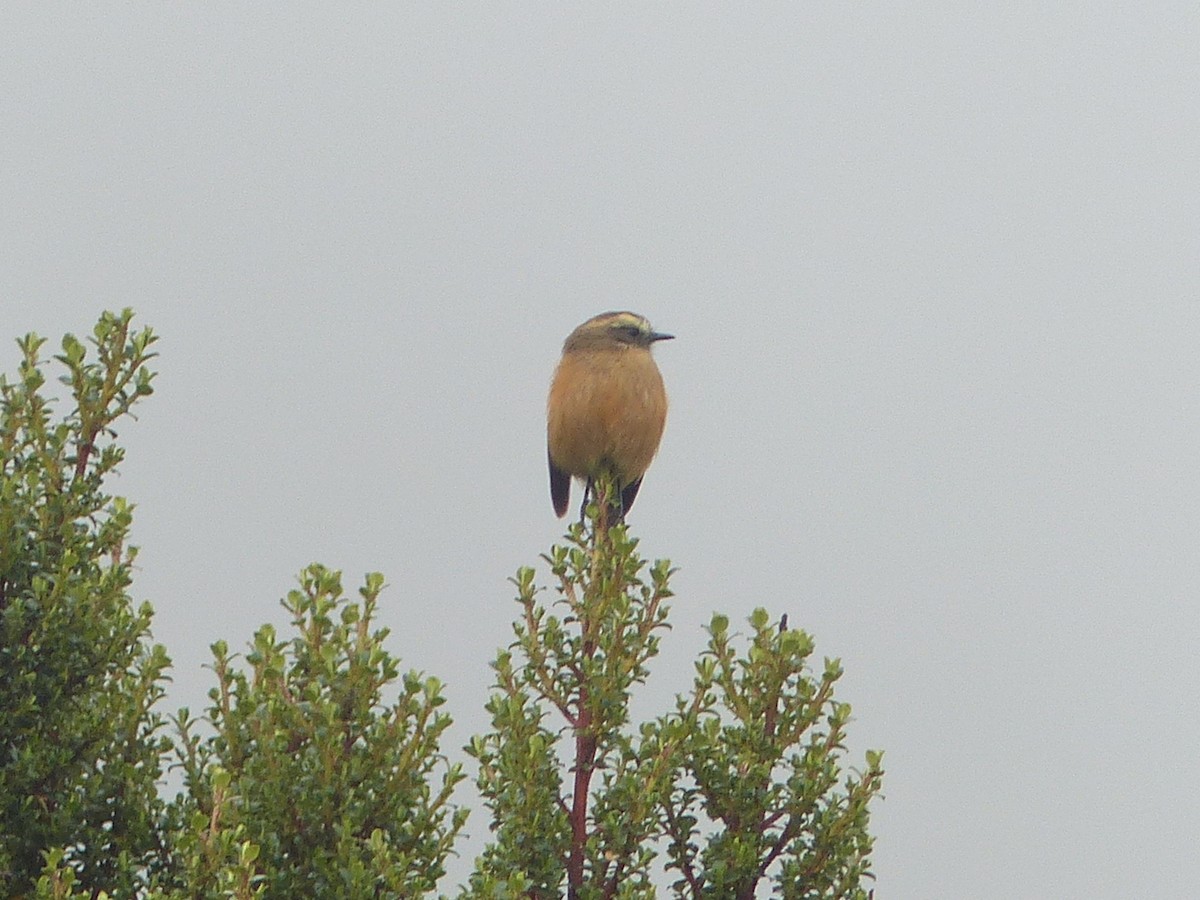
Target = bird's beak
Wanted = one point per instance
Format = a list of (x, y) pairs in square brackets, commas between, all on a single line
[(659, 336)]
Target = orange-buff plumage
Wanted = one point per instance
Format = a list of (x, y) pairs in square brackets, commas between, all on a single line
[(607, 406)]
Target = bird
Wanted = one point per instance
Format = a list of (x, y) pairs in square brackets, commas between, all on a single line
[(607, 408)]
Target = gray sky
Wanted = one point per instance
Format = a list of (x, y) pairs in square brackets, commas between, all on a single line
[(934, 270)]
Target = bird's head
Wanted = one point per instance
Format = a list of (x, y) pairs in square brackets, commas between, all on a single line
[(614, 330)]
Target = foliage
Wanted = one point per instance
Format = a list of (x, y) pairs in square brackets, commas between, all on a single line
[(330, 783), (758, 744), (80, 744), (742, 784), (308, 783)]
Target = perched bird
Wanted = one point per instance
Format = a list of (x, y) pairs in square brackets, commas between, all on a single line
[(607, 407)]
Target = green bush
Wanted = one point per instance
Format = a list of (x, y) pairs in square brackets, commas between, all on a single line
[(80, 742), (317, 770)]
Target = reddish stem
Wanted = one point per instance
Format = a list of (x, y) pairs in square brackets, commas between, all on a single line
[(585, 758), (85, 450)]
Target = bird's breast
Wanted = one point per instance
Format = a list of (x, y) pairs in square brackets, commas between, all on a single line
[(606, 408)]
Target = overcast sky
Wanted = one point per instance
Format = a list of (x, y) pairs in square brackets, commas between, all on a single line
[(934, 269)]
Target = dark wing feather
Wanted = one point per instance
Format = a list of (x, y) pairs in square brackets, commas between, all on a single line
[(560, 487), (629, 494)]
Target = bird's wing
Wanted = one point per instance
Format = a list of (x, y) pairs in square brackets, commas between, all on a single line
[(629, 494), (560, 487)]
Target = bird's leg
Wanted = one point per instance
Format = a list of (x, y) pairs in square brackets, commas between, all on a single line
[(588, 490), (613, 511)]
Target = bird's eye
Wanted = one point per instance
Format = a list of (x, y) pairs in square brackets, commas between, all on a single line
[(630, 331)]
